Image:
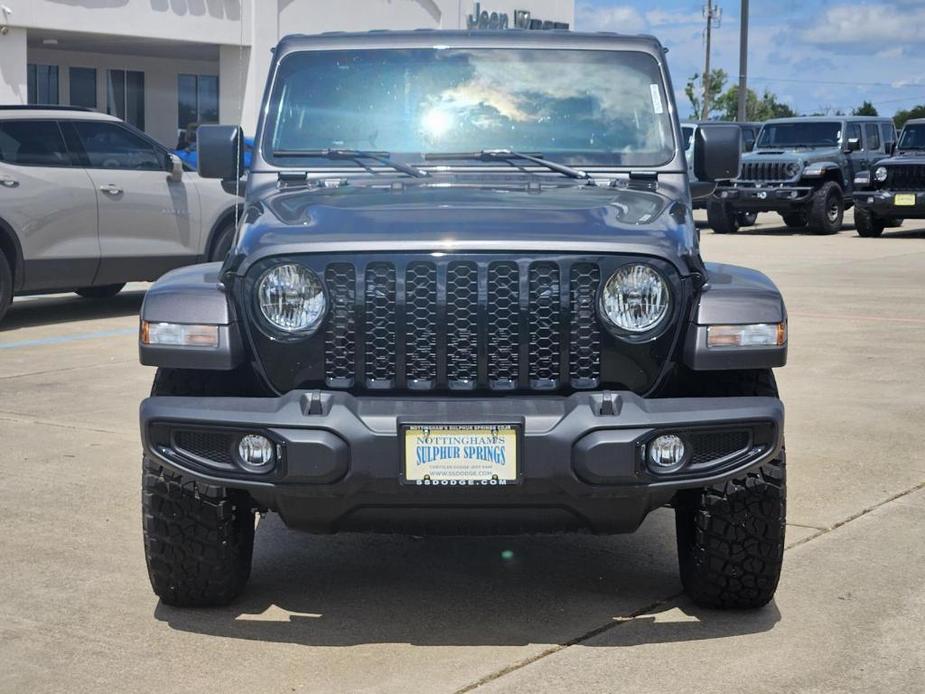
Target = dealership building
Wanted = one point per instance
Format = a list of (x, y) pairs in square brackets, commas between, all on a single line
[(163, 65)]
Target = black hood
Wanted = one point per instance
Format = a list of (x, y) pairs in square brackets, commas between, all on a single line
[(486, 218)]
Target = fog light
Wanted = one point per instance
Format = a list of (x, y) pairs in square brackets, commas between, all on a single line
[(256, 451), (667, 453)]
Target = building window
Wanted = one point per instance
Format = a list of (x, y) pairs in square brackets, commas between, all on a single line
[(197, 100), (125, 96), (83, 87), (43, 84)]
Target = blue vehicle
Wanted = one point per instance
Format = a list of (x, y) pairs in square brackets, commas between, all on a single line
[(190, 153)]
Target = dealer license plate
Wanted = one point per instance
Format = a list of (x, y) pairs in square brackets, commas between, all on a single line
[(461, 455), (904, 200)]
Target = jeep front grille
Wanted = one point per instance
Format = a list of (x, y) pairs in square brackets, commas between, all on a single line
[(764, 171), (441, 323), (905, 177)]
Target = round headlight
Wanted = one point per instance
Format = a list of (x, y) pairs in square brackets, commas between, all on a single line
[(880, 174), (793, 169), (291, 298), (635, 298)]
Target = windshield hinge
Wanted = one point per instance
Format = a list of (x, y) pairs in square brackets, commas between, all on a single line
[(643, 175), (287, 177)]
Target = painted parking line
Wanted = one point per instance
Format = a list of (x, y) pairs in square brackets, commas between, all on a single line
[(63, 339)]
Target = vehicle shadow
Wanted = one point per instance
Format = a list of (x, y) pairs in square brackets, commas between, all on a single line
[(347, 590), (69, 308)]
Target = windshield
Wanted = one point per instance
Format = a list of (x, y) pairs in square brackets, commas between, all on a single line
[(576, 106), (810, 134), (913, 137)]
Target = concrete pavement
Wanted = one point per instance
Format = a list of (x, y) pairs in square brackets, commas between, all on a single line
[(353, 613)]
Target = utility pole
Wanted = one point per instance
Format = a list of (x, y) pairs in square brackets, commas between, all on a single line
[(714, 16), (743, 64)]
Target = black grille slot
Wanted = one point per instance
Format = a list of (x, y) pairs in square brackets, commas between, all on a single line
[(207, 445), (715, 445), (421, 325), (380, 325), (905, 177), (545, 323), (462, 296), (340, 332), (585, 336), (492, 323), (503, 325)]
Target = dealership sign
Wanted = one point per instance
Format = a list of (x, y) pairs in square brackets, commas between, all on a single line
[(498, 21)]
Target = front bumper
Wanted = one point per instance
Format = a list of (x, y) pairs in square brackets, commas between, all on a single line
[(883, 203), (764, 198), (583, 457)]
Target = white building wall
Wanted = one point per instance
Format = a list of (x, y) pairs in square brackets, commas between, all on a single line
[(13, 67), (211, 21)]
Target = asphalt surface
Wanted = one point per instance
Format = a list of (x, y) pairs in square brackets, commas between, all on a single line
[(352, 613)]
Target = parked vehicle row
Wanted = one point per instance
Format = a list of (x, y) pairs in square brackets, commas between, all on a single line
[(810, 170), (894, 188), (803, 169), (88, 203)]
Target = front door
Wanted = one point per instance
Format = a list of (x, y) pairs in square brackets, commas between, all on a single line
[(48, 200), (148, 223)]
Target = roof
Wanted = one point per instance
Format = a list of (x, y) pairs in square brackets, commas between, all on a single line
[(914, 121), (720, 122), (510, 38), (829, 119), (52, 112)]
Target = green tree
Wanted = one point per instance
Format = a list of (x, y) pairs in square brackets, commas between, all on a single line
[(694, 91), (865, 109), (907, 114), (756, 109)]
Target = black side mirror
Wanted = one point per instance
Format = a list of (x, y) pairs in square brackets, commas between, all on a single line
[(221, 151), (854, 144), (890, 148), (717, 152)]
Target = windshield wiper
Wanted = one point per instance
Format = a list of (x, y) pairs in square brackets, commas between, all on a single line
[(352, 155), (510, 155)]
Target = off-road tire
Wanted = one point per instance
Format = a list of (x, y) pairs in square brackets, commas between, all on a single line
[(731, 535), (747, 219), (6, 285), (721, 218), (106, 291), (795, 220), (199, 539), (867, 224), (827, 209)]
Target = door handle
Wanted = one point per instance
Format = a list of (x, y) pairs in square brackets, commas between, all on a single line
[(111, 189), (8, 182)]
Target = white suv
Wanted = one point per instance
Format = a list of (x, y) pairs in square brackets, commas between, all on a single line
[(88, 203)]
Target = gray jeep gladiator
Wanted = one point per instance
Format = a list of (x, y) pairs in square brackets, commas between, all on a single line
[(894, 188), (466, 297), (803, 169)]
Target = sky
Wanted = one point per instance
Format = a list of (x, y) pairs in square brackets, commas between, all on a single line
[(815, 55)]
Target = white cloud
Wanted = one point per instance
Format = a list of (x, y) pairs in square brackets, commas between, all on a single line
[(622, 19), (852, 25)]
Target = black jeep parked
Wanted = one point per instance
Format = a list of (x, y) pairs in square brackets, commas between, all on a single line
[(804, 169), (467, 297), (894, 189)]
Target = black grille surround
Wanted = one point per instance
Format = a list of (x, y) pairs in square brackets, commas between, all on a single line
[(765, 171), (480, 323), (909, 177)]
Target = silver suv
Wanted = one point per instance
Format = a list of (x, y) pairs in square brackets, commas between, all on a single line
[(88, 203)]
